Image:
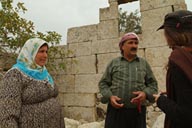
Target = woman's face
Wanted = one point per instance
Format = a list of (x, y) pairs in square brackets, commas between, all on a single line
[(41, 57)]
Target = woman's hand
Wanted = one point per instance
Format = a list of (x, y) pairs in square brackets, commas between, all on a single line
[(156, 96)]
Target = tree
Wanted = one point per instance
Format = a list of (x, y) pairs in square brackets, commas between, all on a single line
[(15, 31), (129, 22)]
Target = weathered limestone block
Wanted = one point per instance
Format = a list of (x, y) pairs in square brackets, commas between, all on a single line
[(109, 12), (87, 83), (82, 34), (70, 123), (152, 116), (141, 53), (151, 21), (62, 49), (85, 65), (77, 113), (153, 4), (104, 59), (157, 56), (105, 46), (102, 106), (182, 6), (111, 1), (159, 123), (160, 75), (93, 125), (108, 29), (68, 62), (77, 99), (80, 49), (65, 83)]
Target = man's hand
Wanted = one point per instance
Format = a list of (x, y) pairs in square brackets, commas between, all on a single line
[(140, 97), (114, 102)]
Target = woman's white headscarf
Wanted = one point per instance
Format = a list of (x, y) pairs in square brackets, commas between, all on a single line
[(26, 61)]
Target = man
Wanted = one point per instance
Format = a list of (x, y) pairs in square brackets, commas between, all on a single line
[(127, 85)]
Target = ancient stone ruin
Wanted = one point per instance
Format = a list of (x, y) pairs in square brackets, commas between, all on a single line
[(95, 45)]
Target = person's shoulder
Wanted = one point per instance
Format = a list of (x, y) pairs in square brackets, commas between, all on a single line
[(13, 72), (117, 59), (142, 59), (113, 61)]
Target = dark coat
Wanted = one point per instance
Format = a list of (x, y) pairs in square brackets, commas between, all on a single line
[(178, 105)]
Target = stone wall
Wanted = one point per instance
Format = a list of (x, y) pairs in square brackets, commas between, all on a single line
[(95, 45)]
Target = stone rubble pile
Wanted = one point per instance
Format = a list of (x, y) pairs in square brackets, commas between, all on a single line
[(70, 123), (159, 123)]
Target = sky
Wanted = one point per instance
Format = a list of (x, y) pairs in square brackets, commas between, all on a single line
[(60, 15)]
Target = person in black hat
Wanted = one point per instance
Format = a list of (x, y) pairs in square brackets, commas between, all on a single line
[(126, 86), (177, 103)]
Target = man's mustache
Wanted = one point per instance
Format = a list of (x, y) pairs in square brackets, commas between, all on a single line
[(133, 49)]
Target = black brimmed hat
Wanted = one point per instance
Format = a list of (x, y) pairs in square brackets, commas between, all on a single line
[(180, 20)]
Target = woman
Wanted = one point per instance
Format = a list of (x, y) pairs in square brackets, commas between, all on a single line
[(28, 94), (177, 104)]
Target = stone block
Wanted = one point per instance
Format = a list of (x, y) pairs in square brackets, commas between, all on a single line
[(78, 99), (104, 59), (153, 4), (141, 52), (108, 29), (82, 34), (67, 69), (93, 125), (157, 56), (78, 113), (80, 49), (65, 83), (159, 123), (111, 1), (152, 116), (71, 123), (62, 51), (105, 46), (109, 12), (181, 6), (85, 65), (87, 83), (151, 21), (160, 75)]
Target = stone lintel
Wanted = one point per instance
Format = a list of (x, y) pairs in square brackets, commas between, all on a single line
[(125, 1)]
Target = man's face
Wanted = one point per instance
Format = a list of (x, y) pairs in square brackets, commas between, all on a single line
[(130, 48)]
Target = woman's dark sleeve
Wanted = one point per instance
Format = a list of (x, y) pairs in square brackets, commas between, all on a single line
[(178, 109)]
